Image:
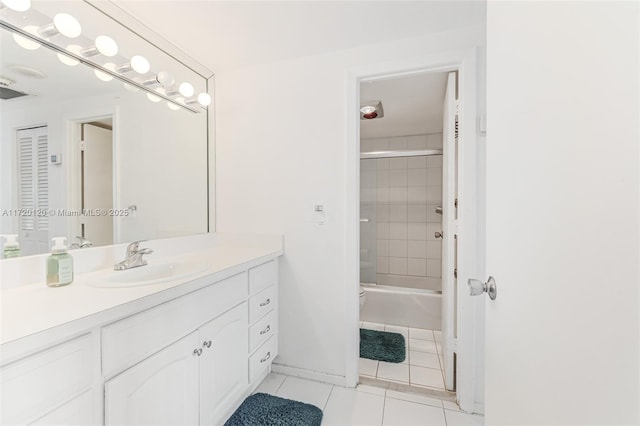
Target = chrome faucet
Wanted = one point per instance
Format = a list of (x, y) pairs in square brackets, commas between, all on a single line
[(84, 243), (134, 257)]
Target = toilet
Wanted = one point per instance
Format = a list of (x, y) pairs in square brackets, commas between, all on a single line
[(363, 297)]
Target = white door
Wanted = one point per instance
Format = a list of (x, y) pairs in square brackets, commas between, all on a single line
[(223, 364), (449, 230), (97, 185), (161, 390)]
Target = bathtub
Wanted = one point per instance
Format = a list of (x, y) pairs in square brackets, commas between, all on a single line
[(407, 307)]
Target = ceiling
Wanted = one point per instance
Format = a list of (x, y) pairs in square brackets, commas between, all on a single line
[(412, 105), (230, 34)]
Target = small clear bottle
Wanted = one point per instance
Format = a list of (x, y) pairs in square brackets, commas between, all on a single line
[(59, 264), (11, 247)]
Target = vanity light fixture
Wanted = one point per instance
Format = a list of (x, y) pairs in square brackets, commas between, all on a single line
[(172, 106), (17, 5), (204, 99), (64, 24), (68, 60), (153, 98), (24, 42), (186, 90), (137, 63), (103, 75), (104, 45)]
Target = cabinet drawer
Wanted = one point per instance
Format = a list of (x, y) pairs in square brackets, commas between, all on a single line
[(263, 357), (33, 386), (262, 276), (262, 330), (132, 339), (262, 303)]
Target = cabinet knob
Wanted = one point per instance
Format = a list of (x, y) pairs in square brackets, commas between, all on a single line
[(266, 358), (197, 352), (266, 330), (206, 343), (266, 302)]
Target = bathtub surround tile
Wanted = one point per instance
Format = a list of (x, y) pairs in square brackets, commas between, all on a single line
[(398, 142), (399, 163), (432, 228), (398, 212), (398, 177), (434, 268), (350, 407), (383, 248), (382, 213), (417, 162), (429, 377), (375, 144), (434, 193), (417, 249), (424, 359), (399, 413), (414, 397), (434, 141), (434, 161), (434, 176), (382, 195), (382, 265), (438, 335), (417, 194), (439, 347), (417, 212), (383, 163), (433, 283), (398, 194), (368, 367), (398, 248), (304, 390), (398, 231), (383, 230), (417, 142), (422, 345), (382, 178), (398, 265), (421, 334), (434, 249), (417, 231), (394, 372), (417, 267), (431, 214), (417, 177)]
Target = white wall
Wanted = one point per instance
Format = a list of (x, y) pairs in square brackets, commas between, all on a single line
[(563, 195), (281, 148)]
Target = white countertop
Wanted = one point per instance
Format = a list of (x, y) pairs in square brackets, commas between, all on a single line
[(27, 310)]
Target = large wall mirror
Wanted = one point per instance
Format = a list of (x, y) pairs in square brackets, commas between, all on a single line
[(96, 144)]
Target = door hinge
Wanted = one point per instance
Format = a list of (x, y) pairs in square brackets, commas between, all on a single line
[(455, 203), (455, 273)]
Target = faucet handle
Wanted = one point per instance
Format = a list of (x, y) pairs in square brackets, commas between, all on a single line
[(133, 247)]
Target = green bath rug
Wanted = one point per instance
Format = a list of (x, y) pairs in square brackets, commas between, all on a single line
[(268, 410), (382, 346)]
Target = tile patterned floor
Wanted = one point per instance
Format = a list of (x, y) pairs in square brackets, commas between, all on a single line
[(368, 405), (423, 366)]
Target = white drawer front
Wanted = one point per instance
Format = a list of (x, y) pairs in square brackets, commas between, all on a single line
[(132, 339), (262, 276), (262, 303), (263, 357), (262, 330), (33, 386)]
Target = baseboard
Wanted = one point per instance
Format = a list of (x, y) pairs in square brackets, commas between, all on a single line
[(309, 374)]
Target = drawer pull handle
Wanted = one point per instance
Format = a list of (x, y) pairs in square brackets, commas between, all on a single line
[(197, 352), (206, 343), (266, 358), (266, 330), (265, 303)]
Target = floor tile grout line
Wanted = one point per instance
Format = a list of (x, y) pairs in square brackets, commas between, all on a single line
[(328, 397), (281, 384)]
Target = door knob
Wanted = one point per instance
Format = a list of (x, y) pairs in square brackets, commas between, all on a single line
[(477, 287)]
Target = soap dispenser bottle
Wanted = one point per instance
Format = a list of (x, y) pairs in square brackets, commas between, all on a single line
[(11, 247), (59, 264)]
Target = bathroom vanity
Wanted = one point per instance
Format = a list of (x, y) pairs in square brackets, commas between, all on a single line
[(183, 350)]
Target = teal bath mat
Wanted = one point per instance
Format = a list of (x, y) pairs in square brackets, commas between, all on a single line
[(382, 346), (268, 410)]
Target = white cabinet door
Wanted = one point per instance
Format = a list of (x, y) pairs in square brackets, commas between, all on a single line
[(161, 390), (223, 364)]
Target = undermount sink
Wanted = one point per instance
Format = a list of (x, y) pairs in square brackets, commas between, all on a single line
[(148, 274)]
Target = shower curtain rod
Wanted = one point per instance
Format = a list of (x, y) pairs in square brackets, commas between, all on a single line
[(400, 153)]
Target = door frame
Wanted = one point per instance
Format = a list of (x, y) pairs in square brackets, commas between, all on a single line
[(465, 62)]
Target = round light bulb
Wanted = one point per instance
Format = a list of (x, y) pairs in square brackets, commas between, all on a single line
[(165, 78), (140, 64), (172, 106), (17, 5), (103, 75), (367, 109), (67, 25), (186, 90), (68, 60), (153, 98), (106, 45), (27, 43), (204, 99)]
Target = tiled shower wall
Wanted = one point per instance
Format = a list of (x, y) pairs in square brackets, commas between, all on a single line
[(407, 192)]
